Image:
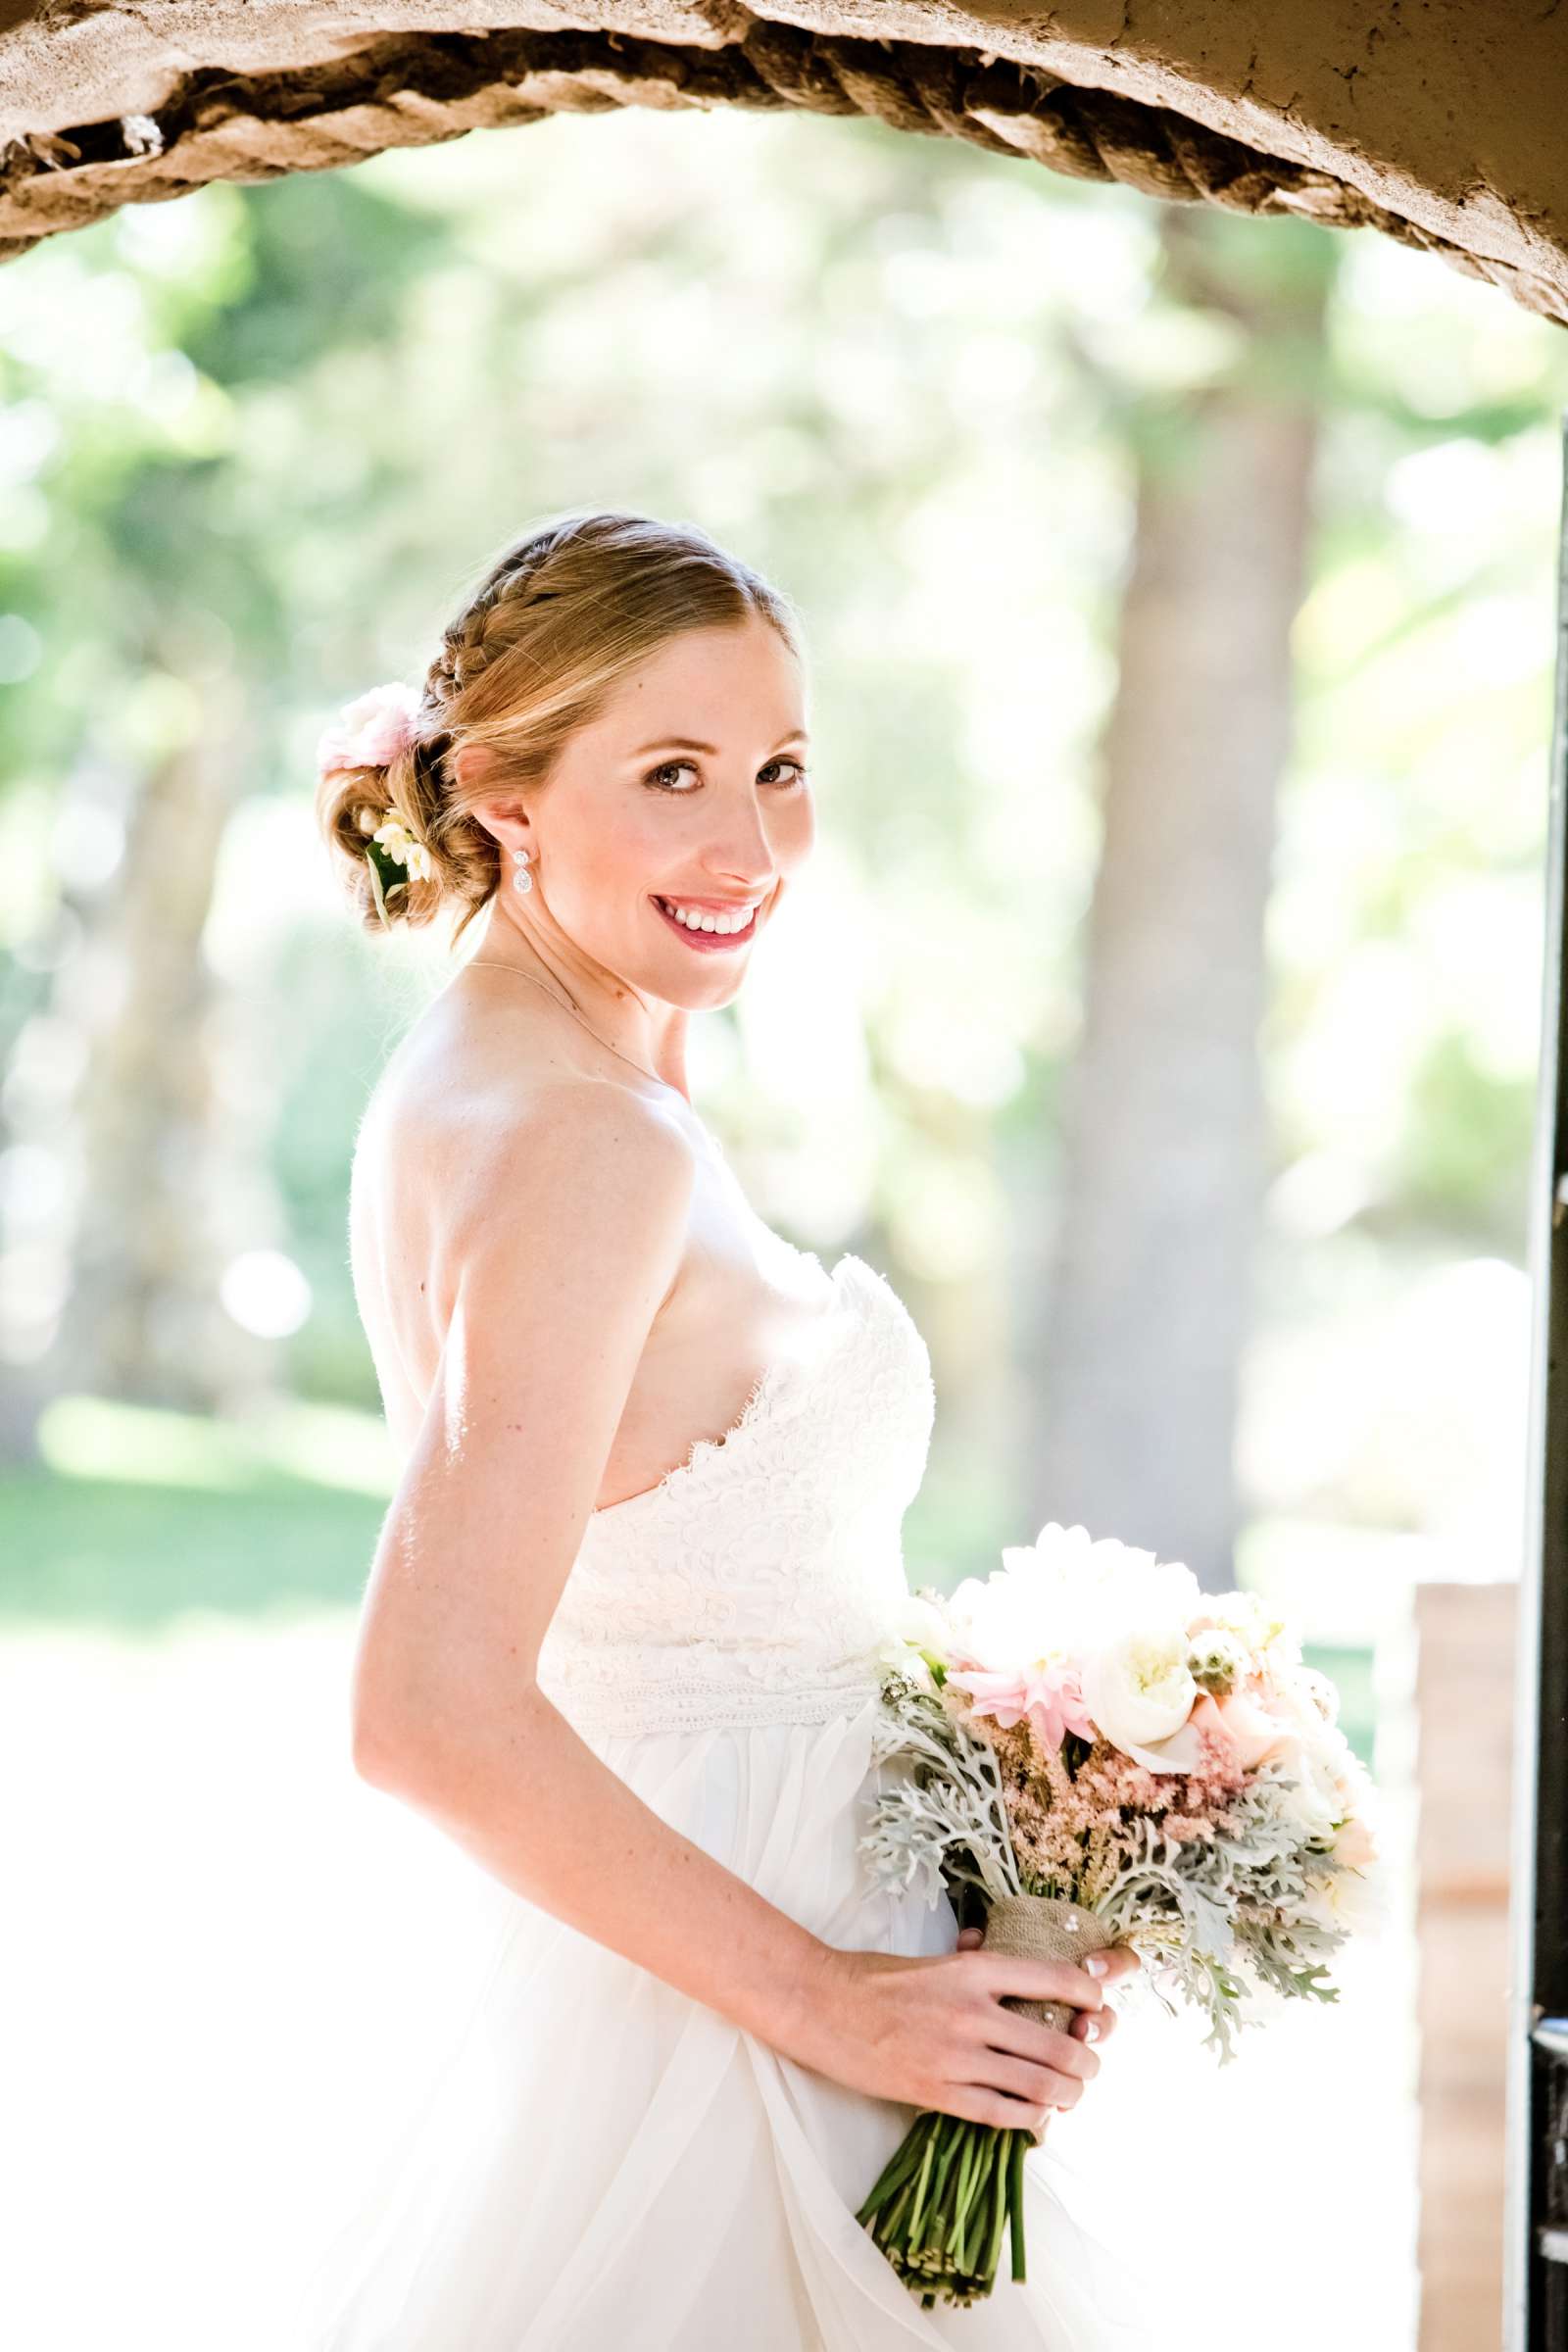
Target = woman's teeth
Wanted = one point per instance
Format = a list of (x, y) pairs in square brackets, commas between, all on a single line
[(697, 918)]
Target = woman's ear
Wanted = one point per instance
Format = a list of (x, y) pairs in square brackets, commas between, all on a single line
[(472, 763)]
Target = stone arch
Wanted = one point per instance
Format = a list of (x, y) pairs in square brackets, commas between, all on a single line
[(1439, 127)]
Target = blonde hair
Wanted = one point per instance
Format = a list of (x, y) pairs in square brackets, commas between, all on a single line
[(560, 618)]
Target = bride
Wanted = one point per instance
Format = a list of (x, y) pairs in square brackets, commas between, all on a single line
[(620, 1635)]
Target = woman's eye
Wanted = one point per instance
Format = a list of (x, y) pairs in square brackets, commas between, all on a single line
[(673, 767)]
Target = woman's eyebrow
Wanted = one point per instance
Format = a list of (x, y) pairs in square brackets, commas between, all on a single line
[(685, 743)]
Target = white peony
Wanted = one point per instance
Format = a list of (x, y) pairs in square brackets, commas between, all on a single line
[(1068, 1593), (1117, 1576), (1139, 1692), (1006, 1620)]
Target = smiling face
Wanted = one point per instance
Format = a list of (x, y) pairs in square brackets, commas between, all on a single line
[(687, 791)]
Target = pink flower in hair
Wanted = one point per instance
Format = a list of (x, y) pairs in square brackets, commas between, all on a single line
[(370, 732)]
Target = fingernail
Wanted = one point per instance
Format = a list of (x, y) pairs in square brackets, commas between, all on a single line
[(1096, 1964), (1092, 2029)]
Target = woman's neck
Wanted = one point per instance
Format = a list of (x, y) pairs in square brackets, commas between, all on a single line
[(647, 1030)]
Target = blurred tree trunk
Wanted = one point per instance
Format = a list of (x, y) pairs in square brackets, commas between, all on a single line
[(1141, 1316), (167, 1181)]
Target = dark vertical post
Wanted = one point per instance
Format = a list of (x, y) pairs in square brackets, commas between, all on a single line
[(1536, 2249)]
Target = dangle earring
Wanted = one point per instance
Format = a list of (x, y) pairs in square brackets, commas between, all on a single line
[(522, 879)]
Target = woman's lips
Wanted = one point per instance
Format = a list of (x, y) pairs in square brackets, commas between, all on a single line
[(708, 943)]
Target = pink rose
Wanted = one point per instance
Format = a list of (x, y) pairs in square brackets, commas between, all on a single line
[(371, 731), (1243, 1727)]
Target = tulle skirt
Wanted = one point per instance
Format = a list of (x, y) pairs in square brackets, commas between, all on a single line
[(605, 2165)]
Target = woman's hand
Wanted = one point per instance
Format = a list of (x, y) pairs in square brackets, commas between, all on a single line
[(1093, 2026), (931, 2031)]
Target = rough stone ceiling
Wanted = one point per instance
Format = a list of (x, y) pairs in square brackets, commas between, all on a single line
[(1438, 121)]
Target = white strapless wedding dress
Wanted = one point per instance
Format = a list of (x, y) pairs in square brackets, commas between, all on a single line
[(606, 2164)]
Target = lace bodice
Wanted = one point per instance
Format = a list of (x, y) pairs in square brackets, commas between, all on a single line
[(755, 1582)]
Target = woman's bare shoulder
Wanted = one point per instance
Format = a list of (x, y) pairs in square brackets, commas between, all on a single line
[(454, 1129)]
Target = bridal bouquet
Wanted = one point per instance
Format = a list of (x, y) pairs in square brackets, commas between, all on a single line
[(1095, 1750)]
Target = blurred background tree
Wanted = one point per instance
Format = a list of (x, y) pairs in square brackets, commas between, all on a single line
[(1179, 596), (1136, 1360)]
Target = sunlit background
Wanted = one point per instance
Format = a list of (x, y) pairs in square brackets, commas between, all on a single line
[(1159, 1009)]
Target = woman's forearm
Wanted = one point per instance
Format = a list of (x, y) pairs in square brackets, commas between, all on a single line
[(529, 1800)]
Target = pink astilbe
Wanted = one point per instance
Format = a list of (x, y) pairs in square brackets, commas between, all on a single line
[(1071, 1826)]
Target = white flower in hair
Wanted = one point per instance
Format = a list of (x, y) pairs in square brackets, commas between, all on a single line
[(406, 846)]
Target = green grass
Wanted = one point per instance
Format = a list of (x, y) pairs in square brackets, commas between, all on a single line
[(137, 1515)]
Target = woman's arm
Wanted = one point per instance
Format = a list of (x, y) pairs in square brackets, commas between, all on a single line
[(564, 1236)]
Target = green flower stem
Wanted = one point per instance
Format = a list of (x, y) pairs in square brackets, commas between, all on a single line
[(896, 2213), (987, 2234), (903, 2161), (975, 2207), (921, 2188), (952, 2142), (1015, 2201), (969, 2170), (943, 2204), (992, 2244)]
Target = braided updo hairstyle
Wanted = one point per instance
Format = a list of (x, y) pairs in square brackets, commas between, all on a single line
[(560, 618)]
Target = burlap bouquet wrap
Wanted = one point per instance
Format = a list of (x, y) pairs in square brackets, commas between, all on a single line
[(1044, 1926)]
